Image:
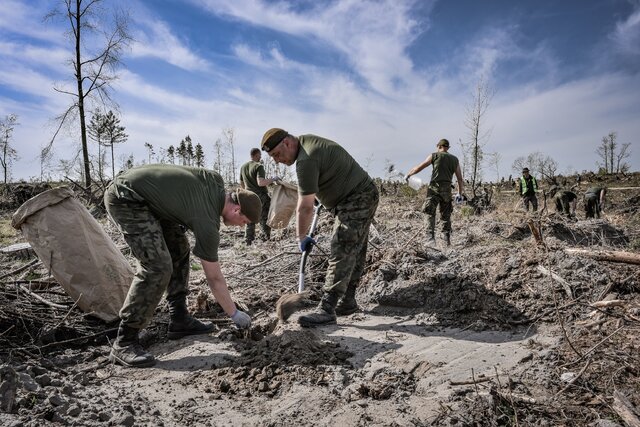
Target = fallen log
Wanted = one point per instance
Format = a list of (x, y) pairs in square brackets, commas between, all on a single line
[(625, 409), (613, 256)]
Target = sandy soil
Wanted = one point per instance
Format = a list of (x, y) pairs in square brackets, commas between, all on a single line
[(494, 330)]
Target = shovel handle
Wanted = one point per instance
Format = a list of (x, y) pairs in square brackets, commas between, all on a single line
[(305, 254)]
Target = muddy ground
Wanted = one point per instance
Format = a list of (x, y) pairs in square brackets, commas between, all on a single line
[(494, 330)]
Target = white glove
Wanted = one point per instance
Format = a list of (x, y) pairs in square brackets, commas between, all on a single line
[(241, 319), (458, 198)]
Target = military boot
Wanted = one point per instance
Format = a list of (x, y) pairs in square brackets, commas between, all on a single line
[(182, 323), (348, 304), (447, 238), (127, 351), (323, 315), (431, 230)]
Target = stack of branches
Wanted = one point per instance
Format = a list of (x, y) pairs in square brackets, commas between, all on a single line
[(37, 316)]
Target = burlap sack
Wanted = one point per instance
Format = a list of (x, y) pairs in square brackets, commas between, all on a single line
[(283, 204), (74, 247)]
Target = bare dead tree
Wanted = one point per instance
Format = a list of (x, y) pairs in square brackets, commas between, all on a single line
[(612, 158), (7, 153), (474, 121), (217, 151), (540, 165), (93, 71), (494, 160), (229, 137)]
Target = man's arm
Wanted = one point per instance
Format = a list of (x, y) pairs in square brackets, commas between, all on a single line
[(419, 167), (459, 178), (218, 286), (304, 214), (602, 195), (263, 182)]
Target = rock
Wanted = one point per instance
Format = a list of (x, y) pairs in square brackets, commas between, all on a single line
[(56, 400), (605, 423), (104, 416), (27, 382), (568, 377), (74, 410), (126, 420), (67, 389), (44, 380)]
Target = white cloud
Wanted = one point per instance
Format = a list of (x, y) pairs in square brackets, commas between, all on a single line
[(372, 36), (157, 41), (627, 34)]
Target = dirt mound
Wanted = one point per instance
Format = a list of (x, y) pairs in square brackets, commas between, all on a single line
[(273, 363), (587, 233)]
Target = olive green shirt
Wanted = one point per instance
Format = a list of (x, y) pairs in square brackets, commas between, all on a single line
[(325, 169), (444, 167), (190, 196), (594, 192), (249, 174)]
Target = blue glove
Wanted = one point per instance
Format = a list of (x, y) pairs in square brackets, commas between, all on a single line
[(306, 243), (241, 319)]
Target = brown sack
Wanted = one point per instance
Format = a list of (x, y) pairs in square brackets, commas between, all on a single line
[(77, 251), (283, 204)]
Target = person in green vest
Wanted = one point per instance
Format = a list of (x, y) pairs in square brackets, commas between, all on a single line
[(153, 206), (445, 165), (527, 187), (326, 171), (594, 201), (252, 178)]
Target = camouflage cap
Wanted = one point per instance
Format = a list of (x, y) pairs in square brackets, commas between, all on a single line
[(273, 137), (250, 205), (443, 143)]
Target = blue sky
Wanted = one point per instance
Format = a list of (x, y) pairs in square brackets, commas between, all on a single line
[(386, 79)]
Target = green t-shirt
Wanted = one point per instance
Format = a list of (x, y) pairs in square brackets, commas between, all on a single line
[(594, 192), (325, 169), (249, 174), (193, 197), (444, 167)]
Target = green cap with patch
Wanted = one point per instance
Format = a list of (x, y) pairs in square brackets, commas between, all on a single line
[(250, 205), (273, 137)]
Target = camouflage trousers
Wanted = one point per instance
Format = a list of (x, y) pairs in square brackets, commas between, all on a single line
[(443, 200), (592, 206), (350, 239), (161, 249), (563, 205), (250, 229)]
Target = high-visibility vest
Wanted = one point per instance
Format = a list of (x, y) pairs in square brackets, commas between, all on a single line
[(523, 185)]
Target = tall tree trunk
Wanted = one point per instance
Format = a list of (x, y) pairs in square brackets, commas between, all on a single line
[(113, 165), (83, 125)]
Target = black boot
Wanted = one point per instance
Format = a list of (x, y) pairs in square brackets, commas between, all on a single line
[(447, 238), (348, 304), (323, 315), (182, 323), (431, 233), (127, 351)]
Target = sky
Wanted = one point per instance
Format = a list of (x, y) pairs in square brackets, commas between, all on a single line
[(385, 79)]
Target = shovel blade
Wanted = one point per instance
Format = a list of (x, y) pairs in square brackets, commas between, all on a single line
[(289, 304)]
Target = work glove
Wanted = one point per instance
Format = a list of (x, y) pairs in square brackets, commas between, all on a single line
[(406, 178), (458, 198), (241, 319), (276, 179), (306, 243)]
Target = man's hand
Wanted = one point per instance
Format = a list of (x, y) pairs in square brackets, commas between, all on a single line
[(406, 178), (276, 179), (306, 243), (241, 319)]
